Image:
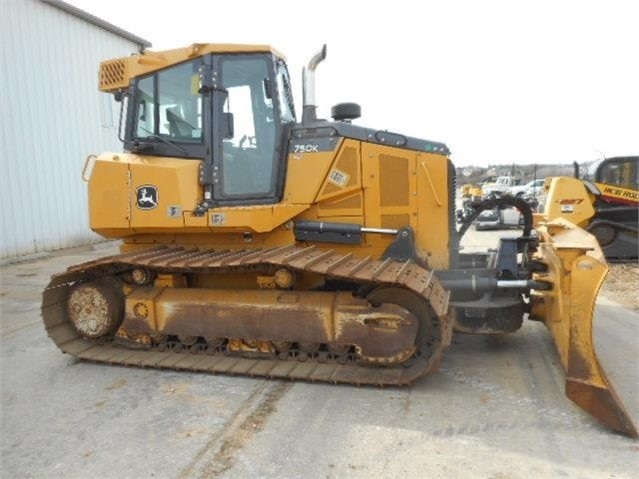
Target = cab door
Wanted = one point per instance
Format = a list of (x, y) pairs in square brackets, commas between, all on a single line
[(248, 163)]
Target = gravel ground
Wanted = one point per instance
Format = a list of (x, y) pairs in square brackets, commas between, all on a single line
[(622, 285)]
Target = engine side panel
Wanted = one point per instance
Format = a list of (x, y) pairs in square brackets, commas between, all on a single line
[(152, 199)]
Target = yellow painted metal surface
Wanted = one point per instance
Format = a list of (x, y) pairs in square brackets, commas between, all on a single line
[(305, 174), (350, 205), (576, 270), (618, 193), (177, 187), (433, 205), (468, 191), (109, 198), (344, 176), (170, 281), (568, 198), (341, 194), (116, 180), (258, 219), (280, 236)]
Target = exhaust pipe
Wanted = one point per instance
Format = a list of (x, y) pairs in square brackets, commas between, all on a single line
[(309, 112)]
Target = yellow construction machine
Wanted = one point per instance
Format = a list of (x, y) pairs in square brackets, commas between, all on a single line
[(470, 191), (605, 202), (256, 244)]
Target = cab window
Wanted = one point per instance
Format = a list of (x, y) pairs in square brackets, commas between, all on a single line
[(620, 172), (169, 104), (248, 148)]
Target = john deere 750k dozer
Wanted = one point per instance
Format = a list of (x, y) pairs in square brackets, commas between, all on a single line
[(314, 250)]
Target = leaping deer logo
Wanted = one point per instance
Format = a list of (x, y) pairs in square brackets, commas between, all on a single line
[(147, 197)]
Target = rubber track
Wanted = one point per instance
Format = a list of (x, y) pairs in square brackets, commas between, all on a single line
[(311, 259), (622, 231)]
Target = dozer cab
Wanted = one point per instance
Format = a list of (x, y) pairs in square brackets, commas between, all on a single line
[(256, 244), (605, 202)]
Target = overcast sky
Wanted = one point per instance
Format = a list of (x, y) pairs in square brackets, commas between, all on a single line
[(497, 81)]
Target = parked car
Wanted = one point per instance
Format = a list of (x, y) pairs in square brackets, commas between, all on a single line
[(532, 188), (488, 220), (502, 217), (501, 185), (498, 218)]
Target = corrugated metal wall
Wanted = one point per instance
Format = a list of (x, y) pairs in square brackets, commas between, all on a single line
[(53, 116)]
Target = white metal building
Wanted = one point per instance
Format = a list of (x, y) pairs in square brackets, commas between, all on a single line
[(53, 116)]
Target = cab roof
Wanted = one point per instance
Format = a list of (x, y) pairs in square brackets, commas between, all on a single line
[(117, 73)]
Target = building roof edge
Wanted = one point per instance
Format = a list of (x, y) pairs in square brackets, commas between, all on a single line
[(98, 22)]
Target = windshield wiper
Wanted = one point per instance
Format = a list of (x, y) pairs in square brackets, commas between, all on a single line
[(140, 145)]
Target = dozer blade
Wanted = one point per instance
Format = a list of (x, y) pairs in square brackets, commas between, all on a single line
[(576, 270)]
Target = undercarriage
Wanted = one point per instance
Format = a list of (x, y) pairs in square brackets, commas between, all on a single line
[(312, 314)]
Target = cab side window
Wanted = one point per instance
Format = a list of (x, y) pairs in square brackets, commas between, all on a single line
[(169, 104), (249, 150)]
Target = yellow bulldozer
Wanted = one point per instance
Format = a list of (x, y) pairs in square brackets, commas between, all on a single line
[(471, 191), (256, 244)]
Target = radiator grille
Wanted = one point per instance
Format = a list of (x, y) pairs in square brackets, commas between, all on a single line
[(394, 177), (113, 75)]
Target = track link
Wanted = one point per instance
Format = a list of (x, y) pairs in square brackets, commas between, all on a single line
[(328, 263)]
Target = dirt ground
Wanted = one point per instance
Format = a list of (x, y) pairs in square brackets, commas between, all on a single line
[(622, 285)]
